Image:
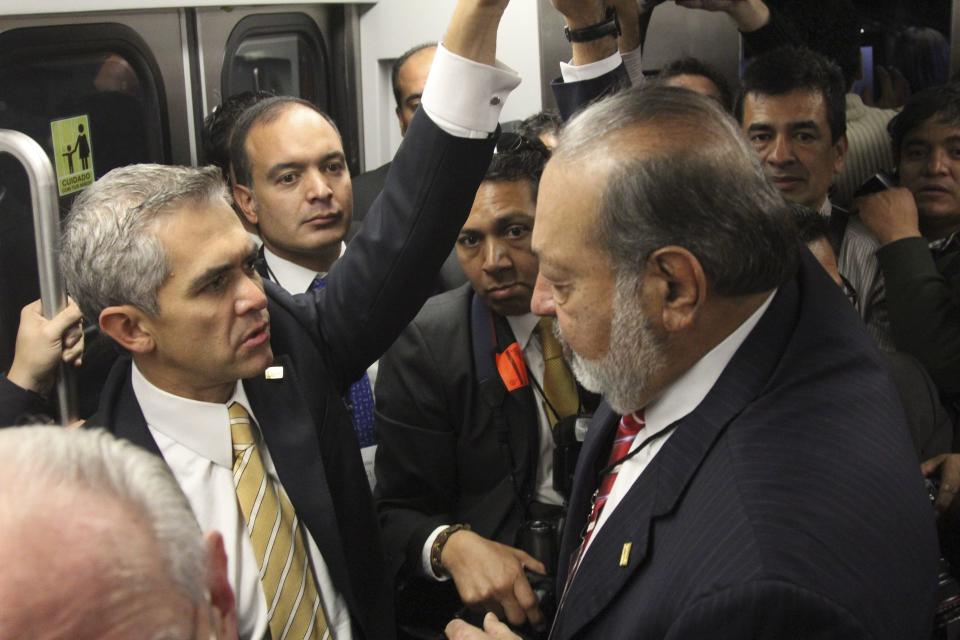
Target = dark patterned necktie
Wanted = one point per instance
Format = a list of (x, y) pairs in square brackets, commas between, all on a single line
[(359, 397)]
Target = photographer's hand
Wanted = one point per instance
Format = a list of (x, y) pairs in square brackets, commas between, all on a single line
[(749, 15), (890, 215), (491, 575), (947, 466), (493, 629)]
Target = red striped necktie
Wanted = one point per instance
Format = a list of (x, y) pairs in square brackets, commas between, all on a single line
[(630, 425)]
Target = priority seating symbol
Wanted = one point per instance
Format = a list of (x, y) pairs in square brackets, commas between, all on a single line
[(72, 153)]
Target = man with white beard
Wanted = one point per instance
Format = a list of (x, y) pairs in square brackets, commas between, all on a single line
[(750, 475)]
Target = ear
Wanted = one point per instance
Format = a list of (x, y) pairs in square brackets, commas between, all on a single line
[(403, 125), (222, 601), (126, 325), (676, 281), (840, 148), (243, 196)]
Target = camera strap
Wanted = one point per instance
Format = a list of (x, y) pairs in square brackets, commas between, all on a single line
[(501, 371)]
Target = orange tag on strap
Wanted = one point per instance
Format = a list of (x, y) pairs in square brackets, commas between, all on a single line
[(512, 369)]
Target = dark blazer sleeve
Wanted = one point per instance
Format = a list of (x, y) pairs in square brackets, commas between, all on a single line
[(931, 429), (17, 402), (765, 610), (804, 23), (390, 268), (924, 310), (574, 96), (366, 187), (416, 462)]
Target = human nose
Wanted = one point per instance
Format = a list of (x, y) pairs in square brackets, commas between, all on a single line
[(937, 164), (495, 257), (781, 151), (542, 302), (317, 187), (251, 296)]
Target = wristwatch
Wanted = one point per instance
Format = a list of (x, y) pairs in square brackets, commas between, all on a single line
[(609, 27)]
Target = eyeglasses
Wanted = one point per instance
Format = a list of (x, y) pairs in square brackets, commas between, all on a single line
[(515, 143)]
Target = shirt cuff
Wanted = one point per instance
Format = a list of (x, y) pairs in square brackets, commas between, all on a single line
[(633, 64), (579, 73), (427, 546), (464, 97)]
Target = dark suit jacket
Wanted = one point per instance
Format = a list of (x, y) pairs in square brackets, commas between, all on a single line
[(366, 187), (17, 403), (326, 339), (923, 303), (439, 457), (787, 505), (931, 428)]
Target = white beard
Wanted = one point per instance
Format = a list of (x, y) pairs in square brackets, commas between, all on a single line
[(635, 353)]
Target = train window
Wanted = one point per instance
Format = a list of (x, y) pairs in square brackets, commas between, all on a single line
[(282, 53), (90, 95), (905, 47)]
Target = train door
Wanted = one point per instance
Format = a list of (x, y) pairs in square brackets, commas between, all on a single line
[(95, 91)]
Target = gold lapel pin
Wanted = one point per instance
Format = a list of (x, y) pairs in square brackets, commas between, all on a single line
[(273, 373), (625, 554)]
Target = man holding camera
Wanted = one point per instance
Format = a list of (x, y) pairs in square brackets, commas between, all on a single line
[(476, 406), (468, 398), (916, 227)]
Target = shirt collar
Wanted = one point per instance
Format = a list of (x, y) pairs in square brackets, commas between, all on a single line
[(523, 327), (826, 208), (202, 427), (688, 391), (289, 275), (855, 107)]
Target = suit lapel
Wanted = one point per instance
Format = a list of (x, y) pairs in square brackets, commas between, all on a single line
[(593, 456), (119, 411), (604, 570), (291, 436)]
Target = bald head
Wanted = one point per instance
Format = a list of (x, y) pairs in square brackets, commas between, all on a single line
[(97, 541)]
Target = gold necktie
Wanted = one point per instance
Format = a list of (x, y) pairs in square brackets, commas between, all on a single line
[(559, 386), (293, 604)]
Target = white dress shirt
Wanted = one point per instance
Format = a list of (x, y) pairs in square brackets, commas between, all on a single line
[(194, 439), (524, 329), (290, 275), (677, 401)]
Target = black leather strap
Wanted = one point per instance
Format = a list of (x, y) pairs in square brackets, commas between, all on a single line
[(608, 27)]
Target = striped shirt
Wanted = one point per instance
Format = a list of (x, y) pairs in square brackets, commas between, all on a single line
[(858, 263), (870, 148)]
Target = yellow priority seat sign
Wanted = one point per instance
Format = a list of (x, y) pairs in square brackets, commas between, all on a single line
[(72, 153)]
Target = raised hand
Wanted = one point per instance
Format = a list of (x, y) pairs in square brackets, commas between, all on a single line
[(42, 343)]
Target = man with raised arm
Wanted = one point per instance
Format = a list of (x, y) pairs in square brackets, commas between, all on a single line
[(237, 384)]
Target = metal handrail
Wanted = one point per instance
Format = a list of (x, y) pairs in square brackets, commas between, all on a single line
[(46, 230)]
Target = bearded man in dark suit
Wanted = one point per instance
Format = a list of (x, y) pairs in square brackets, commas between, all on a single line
[(750, 475)]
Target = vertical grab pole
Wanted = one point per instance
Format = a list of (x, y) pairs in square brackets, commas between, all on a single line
[(46, 230)]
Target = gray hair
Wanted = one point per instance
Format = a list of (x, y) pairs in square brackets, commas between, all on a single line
[(109, 254), (697, 184), (37, 460)]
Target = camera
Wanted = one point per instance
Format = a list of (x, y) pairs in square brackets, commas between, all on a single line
[(946, 620), (540, 537)]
